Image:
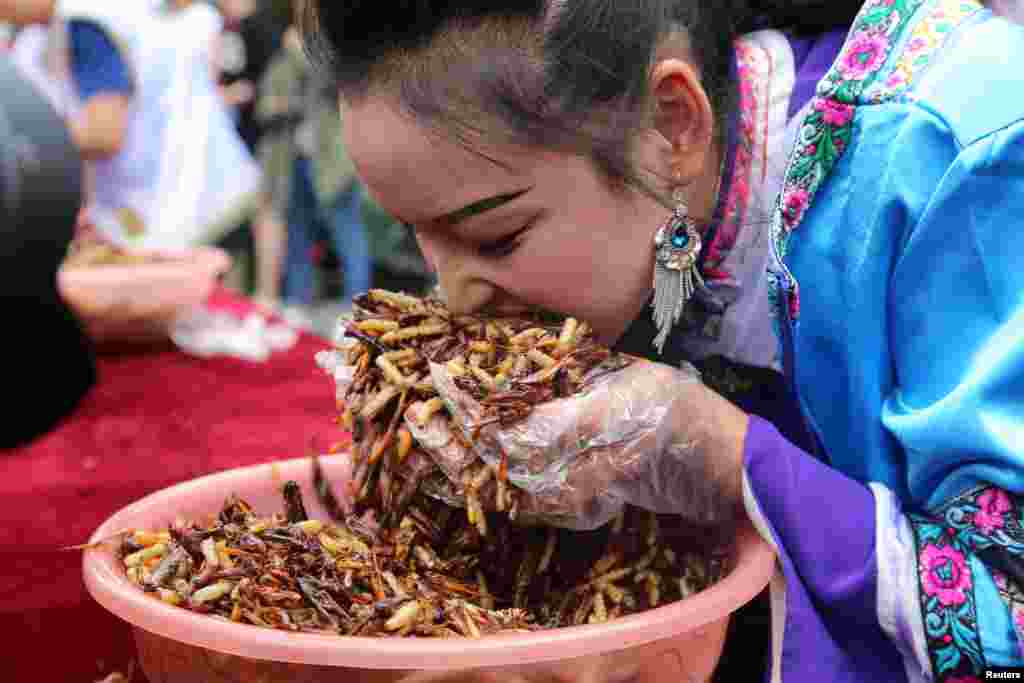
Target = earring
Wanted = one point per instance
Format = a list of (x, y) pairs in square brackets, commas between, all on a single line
[(677, 247)]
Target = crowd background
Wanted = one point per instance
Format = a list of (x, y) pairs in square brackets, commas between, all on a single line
[(310, 238)]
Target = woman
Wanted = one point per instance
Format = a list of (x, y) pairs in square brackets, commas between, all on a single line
[(865, 212)]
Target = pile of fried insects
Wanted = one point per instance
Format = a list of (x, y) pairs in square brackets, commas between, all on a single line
[(398, 558)]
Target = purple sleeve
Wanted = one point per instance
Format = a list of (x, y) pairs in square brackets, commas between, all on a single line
[(810, 505), (823, 526)]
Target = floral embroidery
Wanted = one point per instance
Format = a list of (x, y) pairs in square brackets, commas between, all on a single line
[(864, 54), (985, 517), (944, 574), (927, 36), (975, 521), (794, 203), (754, 67), (825, 133), (992, 504), (834, 114)]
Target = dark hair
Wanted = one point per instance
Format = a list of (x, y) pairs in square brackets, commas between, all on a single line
[(569, 74)]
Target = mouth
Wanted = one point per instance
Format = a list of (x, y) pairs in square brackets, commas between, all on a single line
[(510, 308), (541, 315)]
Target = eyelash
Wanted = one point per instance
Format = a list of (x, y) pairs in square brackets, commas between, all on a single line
[(497, 249), (505, 246)]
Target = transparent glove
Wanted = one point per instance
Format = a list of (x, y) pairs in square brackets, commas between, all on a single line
[(649, 435), (435, 437)]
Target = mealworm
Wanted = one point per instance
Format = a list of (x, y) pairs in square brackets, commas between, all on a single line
[(568, 336), (404, 444), (386, 394), (528, 335), (482, 347), (401, 355), (428, 410), (377, 326), (414, 332), (541, 358), (402, 302), (391, 373)]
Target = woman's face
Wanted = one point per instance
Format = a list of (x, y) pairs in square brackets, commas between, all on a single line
[(539, 230)]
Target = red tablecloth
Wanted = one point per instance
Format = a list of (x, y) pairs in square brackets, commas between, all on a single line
[(153, 419)]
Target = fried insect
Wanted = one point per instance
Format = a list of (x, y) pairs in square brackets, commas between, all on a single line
[(398, 560), (432, 575), (508, 365)]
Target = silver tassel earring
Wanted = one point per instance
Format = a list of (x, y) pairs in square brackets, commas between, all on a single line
[(677, 247)]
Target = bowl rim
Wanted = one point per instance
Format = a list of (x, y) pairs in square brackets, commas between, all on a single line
[(204, 259), (109, 586)]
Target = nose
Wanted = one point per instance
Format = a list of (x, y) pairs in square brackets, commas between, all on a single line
[(465, 289)]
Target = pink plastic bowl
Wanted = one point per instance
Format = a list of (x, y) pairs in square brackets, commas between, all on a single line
[(679, 642), (139, 302)]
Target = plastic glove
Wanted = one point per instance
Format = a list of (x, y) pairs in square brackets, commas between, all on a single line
[(648, 435)]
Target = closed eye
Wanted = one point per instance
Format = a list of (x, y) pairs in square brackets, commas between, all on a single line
[(494, 249), (504, 246)]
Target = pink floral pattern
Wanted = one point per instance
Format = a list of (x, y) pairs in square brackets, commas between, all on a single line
[(834, 114), (928, 36), (794, 204), (826, 130), (859, 76), (755, 74), (945, 574), (945, 542), (897, 80), (863, 55), (993, 504), (870, 70)]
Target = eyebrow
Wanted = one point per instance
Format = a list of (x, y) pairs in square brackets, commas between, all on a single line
[(482, 206)]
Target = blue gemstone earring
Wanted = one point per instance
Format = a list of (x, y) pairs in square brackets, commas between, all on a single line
[(677, 247)]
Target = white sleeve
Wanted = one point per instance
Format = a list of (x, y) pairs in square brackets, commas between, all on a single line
[(899, 606)]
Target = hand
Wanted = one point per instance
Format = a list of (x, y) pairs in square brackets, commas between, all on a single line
[(649, 435), (83, 223), (238, 93)]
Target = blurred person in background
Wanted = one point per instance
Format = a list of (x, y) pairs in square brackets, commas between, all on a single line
[(165, 165), (40, 195), (309, 179), (250, 38), (252, 35)]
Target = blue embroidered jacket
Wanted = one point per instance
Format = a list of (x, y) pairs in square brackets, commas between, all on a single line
[(900, 294)]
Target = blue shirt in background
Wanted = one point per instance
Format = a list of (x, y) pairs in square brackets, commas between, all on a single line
[(96, 64)]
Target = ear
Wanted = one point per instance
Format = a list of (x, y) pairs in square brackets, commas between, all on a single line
[(683, 116)]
